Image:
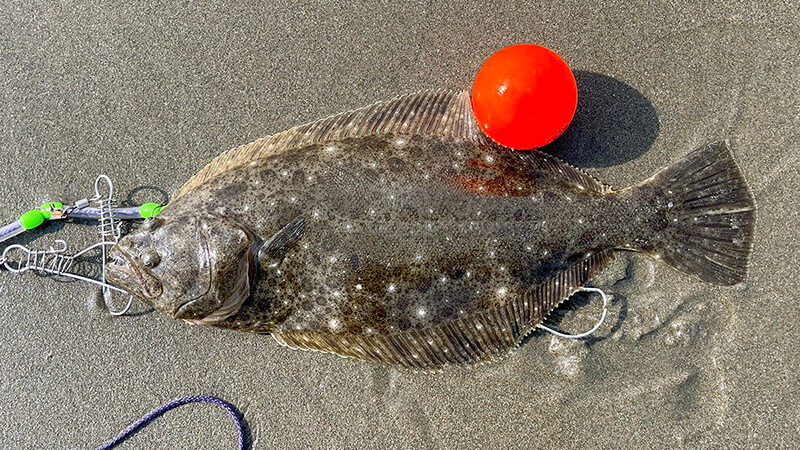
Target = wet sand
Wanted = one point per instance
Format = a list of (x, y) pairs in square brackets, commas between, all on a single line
[(148, 94)]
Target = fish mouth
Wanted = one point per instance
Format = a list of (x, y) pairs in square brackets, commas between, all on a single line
[(123, 272)]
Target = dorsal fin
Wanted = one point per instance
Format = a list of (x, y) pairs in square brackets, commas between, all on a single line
[(479, 337), (567, 174), (437, 112)]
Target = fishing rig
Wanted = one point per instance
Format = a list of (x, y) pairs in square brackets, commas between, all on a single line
[(56, 261)]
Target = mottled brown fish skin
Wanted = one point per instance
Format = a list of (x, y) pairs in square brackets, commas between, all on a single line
[(409, 232)]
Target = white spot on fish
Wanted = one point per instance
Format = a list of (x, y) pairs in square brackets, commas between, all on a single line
[(315, 213), (489, 158), (284, 173), (293, 199), (528, 248), (392, 287), (479, 326), (334, 324), (372, 211), (469, 274), (253, 163), (443, 279), (359, 287), (333, 259), (400, 142), (330, 149), (502, 291), (421, 312), (348, 226)]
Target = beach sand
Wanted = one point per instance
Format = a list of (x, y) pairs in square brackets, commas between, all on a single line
[(148, 94)]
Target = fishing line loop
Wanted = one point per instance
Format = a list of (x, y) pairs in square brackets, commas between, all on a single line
[(594, 328), (237, 417)]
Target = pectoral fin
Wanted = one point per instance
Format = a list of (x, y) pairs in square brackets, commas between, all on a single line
[(273, 251)]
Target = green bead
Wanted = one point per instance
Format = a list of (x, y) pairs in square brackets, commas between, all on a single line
[(31, 219), (47, 209), (149, 210)]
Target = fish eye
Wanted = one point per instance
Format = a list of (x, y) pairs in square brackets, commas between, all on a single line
[(150, 257)]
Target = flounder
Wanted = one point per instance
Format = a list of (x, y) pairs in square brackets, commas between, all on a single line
[(400, 233)]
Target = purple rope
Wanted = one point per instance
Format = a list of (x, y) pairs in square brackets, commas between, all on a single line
[(141, 423)]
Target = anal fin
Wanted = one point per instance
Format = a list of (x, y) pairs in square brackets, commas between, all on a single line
[(483, 336)]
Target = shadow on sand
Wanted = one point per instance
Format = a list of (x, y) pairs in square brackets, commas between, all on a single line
[(614, 123)]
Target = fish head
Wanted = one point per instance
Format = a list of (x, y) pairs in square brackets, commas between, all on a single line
[(191, 267)]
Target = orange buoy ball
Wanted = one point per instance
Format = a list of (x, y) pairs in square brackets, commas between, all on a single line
[(524, 96)]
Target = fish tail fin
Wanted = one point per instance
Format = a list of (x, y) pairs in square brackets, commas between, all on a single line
[(709, 216)]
